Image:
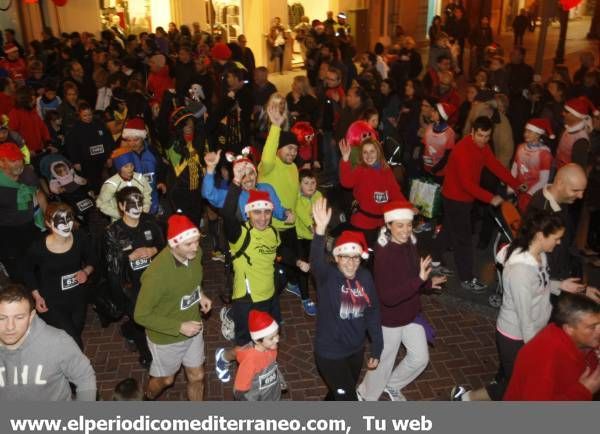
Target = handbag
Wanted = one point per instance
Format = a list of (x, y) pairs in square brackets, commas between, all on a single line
[(425, 194)]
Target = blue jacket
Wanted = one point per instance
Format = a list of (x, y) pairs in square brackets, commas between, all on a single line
[(216, 196), (147, 163)]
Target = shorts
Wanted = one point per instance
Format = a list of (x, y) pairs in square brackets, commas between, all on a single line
[(167, 359)]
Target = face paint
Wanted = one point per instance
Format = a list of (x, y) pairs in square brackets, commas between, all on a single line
[(62, 223), (133, 206)]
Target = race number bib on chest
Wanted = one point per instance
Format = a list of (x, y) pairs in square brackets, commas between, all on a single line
[(140, 264), (188, 301), (380, 197), (68, 281), (96, 150), (84, 204), (268, 377)]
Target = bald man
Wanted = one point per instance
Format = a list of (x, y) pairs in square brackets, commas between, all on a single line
[(569, 186)]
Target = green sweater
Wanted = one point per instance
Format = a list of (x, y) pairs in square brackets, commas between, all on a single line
[(304, 219), (169, 296), (282, 177)]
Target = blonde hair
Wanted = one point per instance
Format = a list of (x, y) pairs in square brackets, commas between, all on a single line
[(304, 84)]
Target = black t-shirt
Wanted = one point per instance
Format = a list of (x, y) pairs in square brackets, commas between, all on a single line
[(53, 274), (9, 214)]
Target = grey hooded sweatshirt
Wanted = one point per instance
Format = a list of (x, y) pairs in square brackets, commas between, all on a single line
[(42, 367), (527, 286)]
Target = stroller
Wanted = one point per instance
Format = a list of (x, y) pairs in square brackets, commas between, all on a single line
[(66, 185), (508, 220)]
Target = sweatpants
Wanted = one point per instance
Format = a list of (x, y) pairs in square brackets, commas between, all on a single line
[(507, 352), (410, 367), (340, 375), (456, 232)]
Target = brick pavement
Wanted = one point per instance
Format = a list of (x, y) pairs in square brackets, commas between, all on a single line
[(464, 352)]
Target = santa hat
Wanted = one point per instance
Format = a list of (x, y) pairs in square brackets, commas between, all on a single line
[(120, 157), (261, 324), (351, 242), (445, 110), (398, 210), (540, 126), (258, 200), (581, 107), (135, 129), (220, 51), (180, 229), (10, 152), (246, 157), (9, 47)]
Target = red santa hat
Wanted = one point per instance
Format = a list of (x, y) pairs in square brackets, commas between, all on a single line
[(351, 243), (261, 324), (258, 200), (9, 47), (581, 107), (135, 129), (398, 210), (445, 110), (180, 229), (11, 152), (540, 126)]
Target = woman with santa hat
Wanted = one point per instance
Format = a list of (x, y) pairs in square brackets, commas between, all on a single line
[(400, 277), (348, 309)]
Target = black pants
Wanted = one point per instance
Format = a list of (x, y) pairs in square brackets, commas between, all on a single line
[(340, 376), (507, 352), (456, 232), (303, 278), (15, 240), (68, 317), (240, 310), (189, 202)]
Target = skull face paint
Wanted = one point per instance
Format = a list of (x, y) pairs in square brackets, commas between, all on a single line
[(133, 205), (62, 223)]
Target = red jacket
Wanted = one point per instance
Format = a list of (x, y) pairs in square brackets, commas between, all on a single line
[(31, 128), (463, 172), (159, 83), (548, 368), (7, 102), (371, 188), (17, 69)]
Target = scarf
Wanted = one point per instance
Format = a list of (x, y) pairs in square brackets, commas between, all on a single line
[(25, 193)]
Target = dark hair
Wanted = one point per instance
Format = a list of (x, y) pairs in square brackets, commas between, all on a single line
[(51, 115), (372, 57), (15, 292), (125, 192), (369, 112), (391, 84), (546, 222), (23, 98), (483, 123), (418, 87), (54, 207), (4, 82), (128, 390), (361, 93), (306, 173), (75, 35), (83, 105), (379, 48), (443, 56), (237, 73), (336, 71), (570, 307)]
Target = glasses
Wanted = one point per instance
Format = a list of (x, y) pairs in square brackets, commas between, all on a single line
[(349, 258)]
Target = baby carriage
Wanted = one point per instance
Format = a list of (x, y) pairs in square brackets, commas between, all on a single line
[(65, 184), (507, 218)]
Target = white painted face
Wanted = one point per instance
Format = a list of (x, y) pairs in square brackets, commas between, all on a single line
[(62, 223), (134, 206)]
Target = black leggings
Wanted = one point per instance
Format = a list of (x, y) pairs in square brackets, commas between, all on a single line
[(340, 376), (507, 352), (67, 317)]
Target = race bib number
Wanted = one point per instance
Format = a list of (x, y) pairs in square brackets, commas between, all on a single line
[(84, 204), (380, 197), (188, 301), (140, 264), (96, 150), (68, 281), (148, 235), (268, 378)]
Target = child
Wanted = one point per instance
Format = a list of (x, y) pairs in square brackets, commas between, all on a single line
[(48, 100), (533, 160), (128, 390), (257, 377), (53, 121), (438, 140), (63, 178), (307, 145), (307, 196)]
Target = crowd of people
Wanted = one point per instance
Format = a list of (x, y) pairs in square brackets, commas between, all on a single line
[(119, 154)]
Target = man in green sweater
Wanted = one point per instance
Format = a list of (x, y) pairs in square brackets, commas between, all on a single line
[(167, 308)]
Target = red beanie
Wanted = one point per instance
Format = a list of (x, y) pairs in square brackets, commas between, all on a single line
[(180, 229), (220, 51), (10, 152), (261, 324), (351, 242)]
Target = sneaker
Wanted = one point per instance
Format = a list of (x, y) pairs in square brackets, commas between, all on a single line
[(227, 324), (457, 393), (310, 308), (359, 396), (217, 255), (222, 366), (294, 289), (474, 285), (441, 270), (394, 394)]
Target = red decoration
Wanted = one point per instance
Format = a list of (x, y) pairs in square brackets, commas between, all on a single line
[(31, 1), (567, 5), (59, 2)]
